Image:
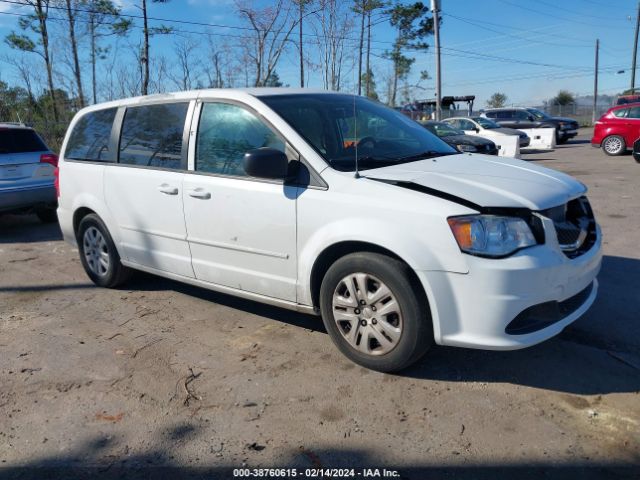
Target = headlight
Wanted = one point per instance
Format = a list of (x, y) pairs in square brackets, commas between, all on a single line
[(491, 235), (467, 148)]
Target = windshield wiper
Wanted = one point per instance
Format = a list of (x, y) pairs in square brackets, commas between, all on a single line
[(423, 156)]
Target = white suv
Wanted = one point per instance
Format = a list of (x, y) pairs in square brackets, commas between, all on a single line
[(333, 204)]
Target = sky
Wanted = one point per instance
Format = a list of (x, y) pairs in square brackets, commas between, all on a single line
[(527, 49)]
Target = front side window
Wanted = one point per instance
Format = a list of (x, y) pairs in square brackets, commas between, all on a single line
[(344, 128), (225, 133), (522, 115), (622, 112), (466, 125), (90, 137), (152, 135)]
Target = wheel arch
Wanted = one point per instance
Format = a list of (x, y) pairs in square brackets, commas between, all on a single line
[(333, 252)]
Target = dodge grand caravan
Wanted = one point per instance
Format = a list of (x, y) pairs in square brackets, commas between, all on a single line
[(335, 205)]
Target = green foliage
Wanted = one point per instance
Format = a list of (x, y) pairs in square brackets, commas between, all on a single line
[(273, 80), (20, 42), (372, 84), (564, 97), (497, 100)]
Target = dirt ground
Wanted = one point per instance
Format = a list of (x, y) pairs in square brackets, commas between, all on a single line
[(167, 380)]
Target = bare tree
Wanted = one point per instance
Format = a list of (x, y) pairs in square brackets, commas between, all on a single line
[(186, 77), (103, 19), (271, 28), (37, 23), (146, 33), (333, 26), (70, 9)]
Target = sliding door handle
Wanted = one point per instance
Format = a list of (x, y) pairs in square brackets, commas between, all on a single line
[(168, 189), (199, 193)]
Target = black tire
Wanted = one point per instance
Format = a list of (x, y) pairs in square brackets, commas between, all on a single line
[(47, 215), (116, 274), (609, 142), (416, 335)]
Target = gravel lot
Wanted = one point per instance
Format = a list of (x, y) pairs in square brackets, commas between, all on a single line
[(169, 380)]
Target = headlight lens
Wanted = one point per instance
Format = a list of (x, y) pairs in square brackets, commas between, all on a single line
[(467, 148), (491, 235)]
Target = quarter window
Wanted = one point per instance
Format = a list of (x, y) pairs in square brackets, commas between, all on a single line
[(90, 137), (152, 135), (225, 133)]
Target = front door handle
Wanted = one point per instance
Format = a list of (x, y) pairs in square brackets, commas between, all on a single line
[(168, 189), (199, 193)]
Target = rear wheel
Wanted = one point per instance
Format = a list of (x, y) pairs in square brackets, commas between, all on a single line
[(614, 145), (99, 255), (374, 312)]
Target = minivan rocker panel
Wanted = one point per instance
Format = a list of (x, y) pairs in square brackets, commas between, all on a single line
[(394, 254)]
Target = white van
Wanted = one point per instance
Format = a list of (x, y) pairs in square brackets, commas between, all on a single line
[(333, 204)]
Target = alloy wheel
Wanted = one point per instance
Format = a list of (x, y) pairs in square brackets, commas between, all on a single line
[(96, 251)]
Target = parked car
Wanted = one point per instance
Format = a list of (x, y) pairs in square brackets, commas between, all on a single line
[(486, 128), (632, 97), (617, 129), (636, 150), (331, 204), (566, 128), (27, 173), (458, 140)]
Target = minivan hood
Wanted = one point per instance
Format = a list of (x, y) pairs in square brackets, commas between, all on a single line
[(486, 181)]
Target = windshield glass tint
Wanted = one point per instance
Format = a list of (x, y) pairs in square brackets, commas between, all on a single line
[(20, 140), (337, 126), (537, 113), (486, 123), (443, 130)]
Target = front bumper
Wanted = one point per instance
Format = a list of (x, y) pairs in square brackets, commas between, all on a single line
[(474, 309), (16, 199)]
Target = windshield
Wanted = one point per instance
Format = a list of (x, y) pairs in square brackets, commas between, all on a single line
[(442, 129), (537, 113), (340, 126), (485, 123)]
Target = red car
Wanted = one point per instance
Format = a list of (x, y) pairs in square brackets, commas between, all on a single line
[(618, 129)]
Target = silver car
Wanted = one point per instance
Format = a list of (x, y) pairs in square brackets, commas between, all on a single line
[(28, 173)]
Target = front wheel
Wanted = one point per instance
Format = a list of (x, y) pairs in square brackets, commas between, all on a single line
[(614, 145), (98, 253), (375, 312)]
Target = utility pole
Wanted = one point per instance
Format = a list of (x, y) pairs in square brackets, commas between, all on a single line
[(635, 51), (300, 9), (595, 85), (436, 33)]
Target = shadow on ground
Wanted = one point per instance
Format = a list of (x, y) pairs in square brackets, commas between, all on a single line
[(27, 229), (97, 461)]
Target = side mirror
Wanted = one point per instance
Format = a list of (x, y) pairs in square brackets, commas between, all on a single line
[(266, 163), (477, 130), (531, 118), (636, 150)]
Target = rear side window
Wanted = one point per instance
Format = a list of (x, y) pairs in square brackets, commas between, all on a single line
[(621, 112), (20, 140), (90, 137), (491, 114), (505, 115), (152, 135)]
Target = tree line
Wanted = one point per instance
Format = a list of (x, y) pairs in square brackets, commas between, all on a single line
[(66, 54)]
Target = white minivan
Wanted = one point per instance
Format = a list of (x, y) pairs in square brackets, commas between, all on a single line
[(330, 204)]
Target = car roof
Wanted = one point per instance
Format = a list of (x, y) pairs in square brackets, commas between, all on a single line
[(8, 125), (505, 108), (238, 94), (625, 105)]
